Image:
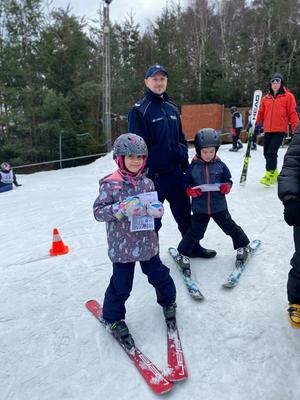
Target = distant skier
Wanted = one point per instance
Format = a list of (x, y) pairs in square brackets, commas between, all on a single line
[(237, 125), (7, 178), (206, 168), (289, 194), (116, 204), (277, 110)]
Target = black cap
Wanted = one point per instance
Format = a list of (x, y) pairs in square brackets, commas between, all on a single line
[(154, 69)]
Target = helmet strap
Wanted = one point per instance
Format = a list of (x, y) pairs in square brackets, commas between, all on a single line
[(120, 160)]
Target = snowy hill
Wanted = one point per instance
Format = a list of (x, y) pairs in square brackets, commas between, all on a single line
[(238, 343)]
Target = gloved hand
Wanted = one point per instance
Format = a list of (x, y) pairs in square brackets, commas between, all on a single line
[(129, 207), (133, 206), (19, 184), (194, 192), (155, 209), (292, 212), (225, 188)]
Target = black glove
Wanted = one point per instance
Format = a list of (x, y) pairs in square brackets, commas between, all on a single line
[(292, 212), (18, 184)]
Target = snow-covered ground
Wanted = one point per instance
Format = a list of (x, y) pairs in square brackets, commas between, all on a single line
[(238, 343)]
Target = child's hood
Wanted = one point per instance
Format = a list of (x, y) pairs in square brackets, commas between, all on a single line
[(115, 176), (120, 178)]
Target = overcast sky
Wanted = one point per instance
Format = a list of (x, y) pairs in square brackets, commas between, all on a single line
[(143, 10)]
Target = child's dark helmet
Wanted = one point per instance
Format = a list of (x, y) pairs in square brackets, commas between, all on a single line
[(129, 144), (207, 137)]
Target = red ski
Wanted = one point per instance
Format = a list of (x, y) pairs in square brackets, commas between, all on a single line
[(151, 374), (176, 362)]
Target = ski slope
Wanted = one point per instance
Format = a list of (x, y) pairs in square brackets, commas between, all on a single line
[(238, 343)]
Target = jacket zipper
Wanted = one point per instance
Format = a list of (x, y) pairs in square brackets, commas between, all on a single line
[(208, 193), (272, 114)]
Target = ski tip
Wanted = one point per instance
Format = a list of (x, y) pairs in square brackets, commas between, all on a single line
[(166, 390), (175, 378), (255, 244), (228, 285), (93, 306), (256, 241), (198, 296), (172, 250), (91, 302)]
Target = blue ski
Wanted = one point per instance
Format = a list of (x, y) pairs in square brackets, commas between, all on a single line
[(190, 283), (233, 279)]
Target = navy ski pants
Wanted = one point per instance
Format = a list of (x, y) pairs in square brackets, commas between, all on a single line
[(293, 283), (6, 187), (121, 282), (198, 228)]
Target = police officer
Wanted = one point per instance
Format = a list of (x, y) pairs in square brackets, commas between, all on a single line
[(156, 118)]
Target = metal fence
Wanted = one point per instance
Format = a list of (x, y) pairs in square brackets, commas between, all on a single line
[(60, 161)]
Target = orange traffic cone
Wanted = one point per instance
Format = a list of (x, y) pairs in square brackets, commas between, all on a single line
[(58, 247)]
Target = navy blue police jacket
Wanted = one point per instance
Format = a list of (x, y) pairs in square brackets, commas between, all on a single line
[(156, 119), (201, 172)]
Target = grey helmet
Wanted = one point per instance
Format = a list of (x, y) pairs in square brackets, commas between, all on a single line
[(207, 137), (233, 109), (5, 166), (129, 144)]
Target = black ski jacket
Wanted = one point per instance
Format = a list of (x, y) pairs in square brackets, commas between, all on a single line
[(157, 120), (289, 178)]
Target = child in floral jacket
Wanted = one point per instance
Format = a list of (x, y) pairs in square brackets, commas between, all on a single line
[(118, 202)]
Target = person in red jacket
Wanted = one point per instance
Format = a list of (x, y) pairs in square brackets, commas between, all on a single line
[(276, 112)]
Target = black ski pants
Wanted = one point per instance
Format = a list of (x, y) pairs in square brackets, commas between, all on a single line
[(198, 227), (272, 142), (236, 137), (170, 187), (293, 283)]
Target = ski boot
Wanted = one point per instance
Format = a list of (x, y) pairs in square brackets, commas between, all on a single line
[(274, 176), (235, 149), (239, 145), (201, 252), (170, 316), (121, 332), (253, 146), (294, 314), (266, 180), (242, 253), (184, 264)]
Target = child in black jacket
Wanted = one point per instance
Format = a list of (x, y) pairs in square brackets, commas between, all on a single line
[(208, 180)]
